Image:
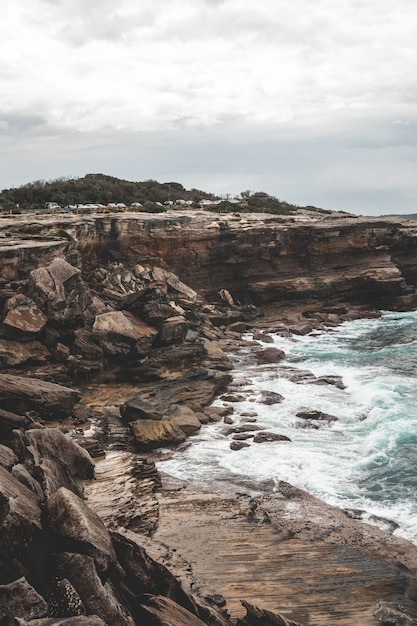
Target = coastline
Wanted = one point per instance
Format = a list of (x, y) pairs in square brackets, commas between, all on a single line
[(287, 552)]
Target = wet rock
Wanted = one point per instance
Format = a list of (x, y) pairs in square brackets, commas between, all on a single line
[(269, 355), (51, 401), (230, 397), (271, 397), (151, 434), (20, 600), (316, 415), (262, 336), (135, 409), (330, 380), (71, 519), (300, 329), (23, 317), (58, 461), (242, 436), (238, 445), (216, 357), (268, 437), (244, 428)]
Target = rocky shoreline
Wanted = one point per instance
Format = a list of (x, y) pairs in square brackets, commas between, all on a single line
[(106, 355)]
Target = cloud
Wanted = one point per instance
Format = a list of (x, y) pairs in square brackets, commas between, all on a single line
[(326, 91)]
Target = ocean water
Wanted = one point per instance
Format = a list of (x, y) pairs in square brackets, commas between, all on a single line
[(365, 460)]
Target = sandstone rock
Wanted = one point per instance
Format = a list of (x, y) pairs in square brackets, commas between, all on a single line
[(20, 516), (7, 457), (174, 282), (20, 472), (161, 611), (20, 600), (62, 291), (259, 617), (85, 344), (397, 613), (74, 521), (122, 328), (79, 620), (238, 327), (271, 397), (267, 437), (269, 355), (145, 575), (172, 331), (59, 462), (262, 336), (231, 397), (14, 353), (216, 357), (11, 421), (185, 418), (156, 434), (135, 409), (99, 598), (21, 394), (23, 316)]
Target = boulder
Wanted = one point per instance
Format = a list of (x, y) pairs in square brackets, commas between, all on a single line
[(14, 353), (185, 418), (271, 397), (269, 355), (216, 357), (135, 409), (172, 331), (151, 434), (119, 332), (20, 600), (21, 394), (268, 437), (261, 617), (161, 611), (20, 516), (99, 598), (7, 457), (20, 472), (85, 345), (70, 518), (238, 445), (397, 613), (61, 291), (23, 316), (316, 415), (58, 461), (165, 277)]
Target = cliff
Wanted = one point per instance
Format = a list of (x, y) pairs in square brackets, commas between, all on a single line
[(259, 258)]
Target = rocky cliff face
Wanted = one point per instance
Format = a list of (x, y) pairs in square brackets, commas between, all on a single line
[(258, 258)]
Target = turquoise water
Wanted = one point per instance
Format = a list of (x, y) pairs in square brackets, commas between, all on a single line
[(367, 458)]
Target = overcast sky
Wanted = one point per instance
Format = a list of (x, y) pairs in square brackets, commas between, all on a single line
[(314, 101)]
